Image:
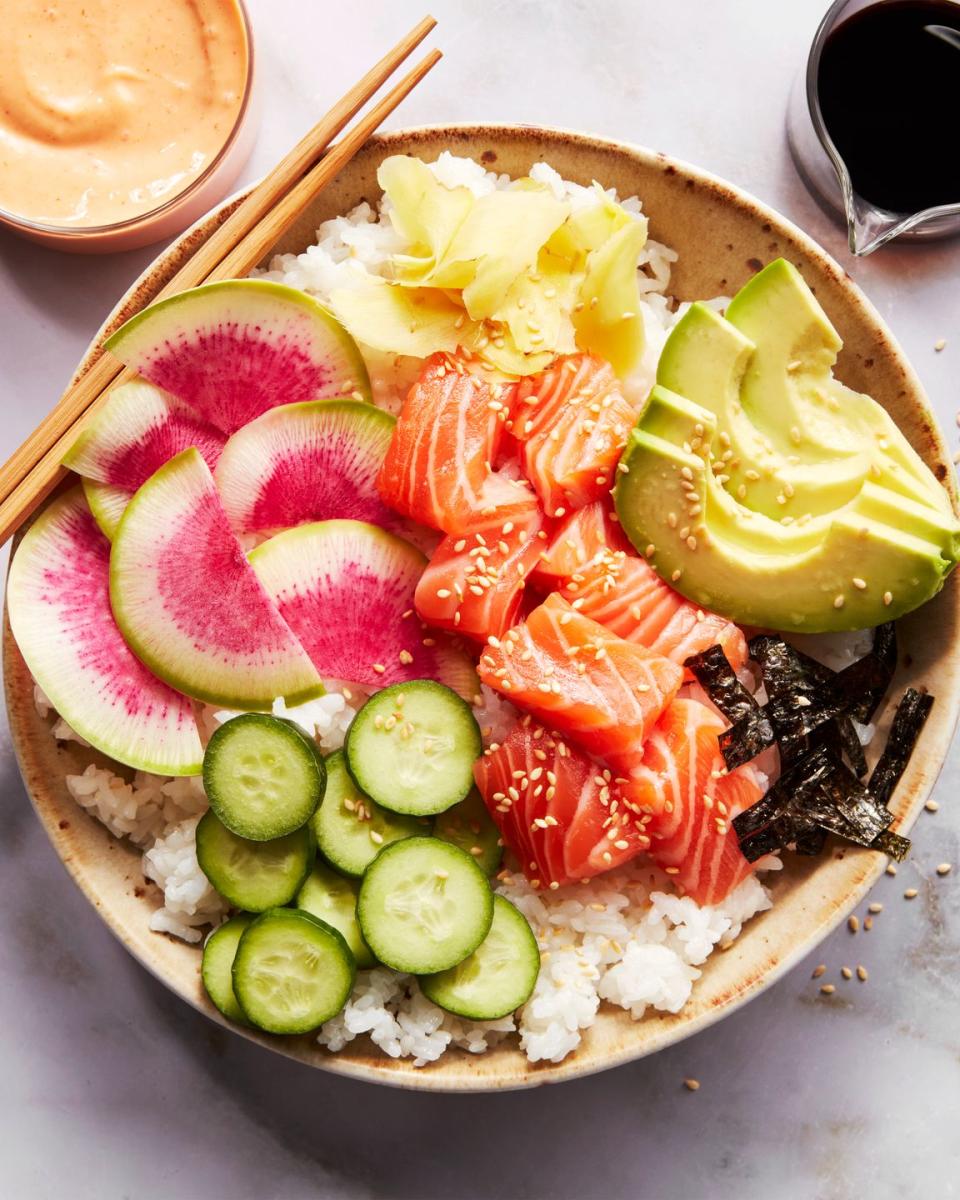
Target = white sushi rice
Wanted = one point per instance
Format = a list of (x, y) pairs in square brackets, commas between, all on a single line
[(360, 244), (625, 938)]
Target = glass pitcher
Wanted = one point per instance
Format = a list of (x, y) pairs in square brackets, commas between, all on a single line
[(826, 174)]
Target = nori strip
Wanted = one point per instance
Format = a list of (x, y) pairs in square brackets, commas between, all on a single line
[(811, 844), (851, 744), (816, 792), (893, 844), (869, 677), (908, 721), (751, 730)]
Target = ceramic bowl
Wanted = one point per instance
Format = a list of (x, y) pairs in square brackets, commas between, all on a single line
[(723, 236)]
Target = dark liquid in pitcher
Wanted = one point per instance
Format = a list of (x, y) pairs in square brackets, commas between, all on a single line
[(890, 98)]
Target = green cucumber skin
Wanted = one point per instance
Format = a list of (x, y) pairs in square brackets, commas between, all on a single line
[(370, 906), (344, 885), (355, 755), (217, 763), (327, 824), (217, 983), (455, 826), (243, 897), (252, 1009), (441, 988)]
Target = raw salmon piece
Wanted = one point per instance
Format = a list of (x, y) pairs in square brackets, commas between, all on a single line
[(577, 541), (474, 583), (601, 691), (625, 594), (437, 468), (681, 782), (556, 809), (572, 421)]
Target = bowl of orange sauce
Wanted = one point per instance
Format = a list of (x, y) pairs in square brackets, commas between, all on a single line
[(121, 121)]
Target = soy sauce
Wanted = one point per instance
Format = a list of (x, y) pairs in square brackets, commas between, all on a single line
[(889, 92)]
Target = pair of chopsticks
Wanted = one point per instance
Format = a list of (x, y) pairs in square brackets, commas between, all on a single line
[(34, 470)]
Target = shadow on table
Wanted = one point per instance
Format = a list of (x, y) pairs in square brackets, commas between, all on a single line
[(56, 286)]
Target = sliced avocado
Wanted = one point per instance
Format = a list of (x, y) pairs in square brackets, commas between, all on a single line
[(871, 560), (793, 439)]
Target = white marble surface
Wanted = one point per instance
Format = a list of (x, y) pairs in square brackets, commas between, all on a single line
[(111, 1088)]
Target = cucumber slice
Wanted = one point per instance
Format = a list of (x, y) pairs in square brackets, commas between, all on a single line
[(468, 825), (350, 829), (253, 875), (292, 972), (424, 906), (497, 977), (216, 970), (412, 747), (262, 777), (333, 899)]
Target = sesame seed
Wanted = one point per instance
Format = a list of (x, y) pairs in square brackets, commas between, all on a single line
[(692, 1085), (379, 668), (939, 344), (405, 657), (910, 894), (838, 602), (944, 869), (846, 972), (891, 869), (888, 598), (875, 908), (862, 974), (868, 923), (853, 924), (858, 583), (827, 989), (932, 806)]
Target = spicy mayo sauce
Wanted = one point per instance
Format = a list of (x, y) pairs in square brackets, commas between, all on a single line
[(111, 108)]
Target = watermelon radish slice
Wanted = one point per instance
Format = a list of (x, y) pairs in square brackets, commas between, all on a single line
[(134, 434), (232, 350), (188, 603), (306, 462), (58, 599), (346, 590)]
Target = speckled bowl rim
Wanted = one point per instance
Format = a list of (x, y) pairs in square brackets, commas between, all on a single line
[(868, 867)]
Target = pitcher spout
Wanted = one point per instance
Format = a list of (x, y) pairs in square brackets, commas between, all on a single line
[(869, 228)]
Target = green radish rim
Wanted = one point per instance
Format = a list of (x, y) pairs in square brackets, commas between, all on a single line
[(333, 328), (188, 476)]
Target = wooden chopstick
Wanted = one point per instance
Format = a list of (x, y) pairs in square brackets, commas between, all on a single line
[(34, 470)]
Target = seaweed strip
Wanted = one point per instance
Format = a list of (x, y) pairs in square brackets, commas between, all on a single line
[(869, 677), (908, 721), (851, 744), (811, 843), (751, 730), (816, 793), (893, 844)]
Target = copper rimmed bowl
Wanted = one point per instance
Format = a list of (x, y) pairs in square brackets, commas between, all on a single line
[(723, 237)]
